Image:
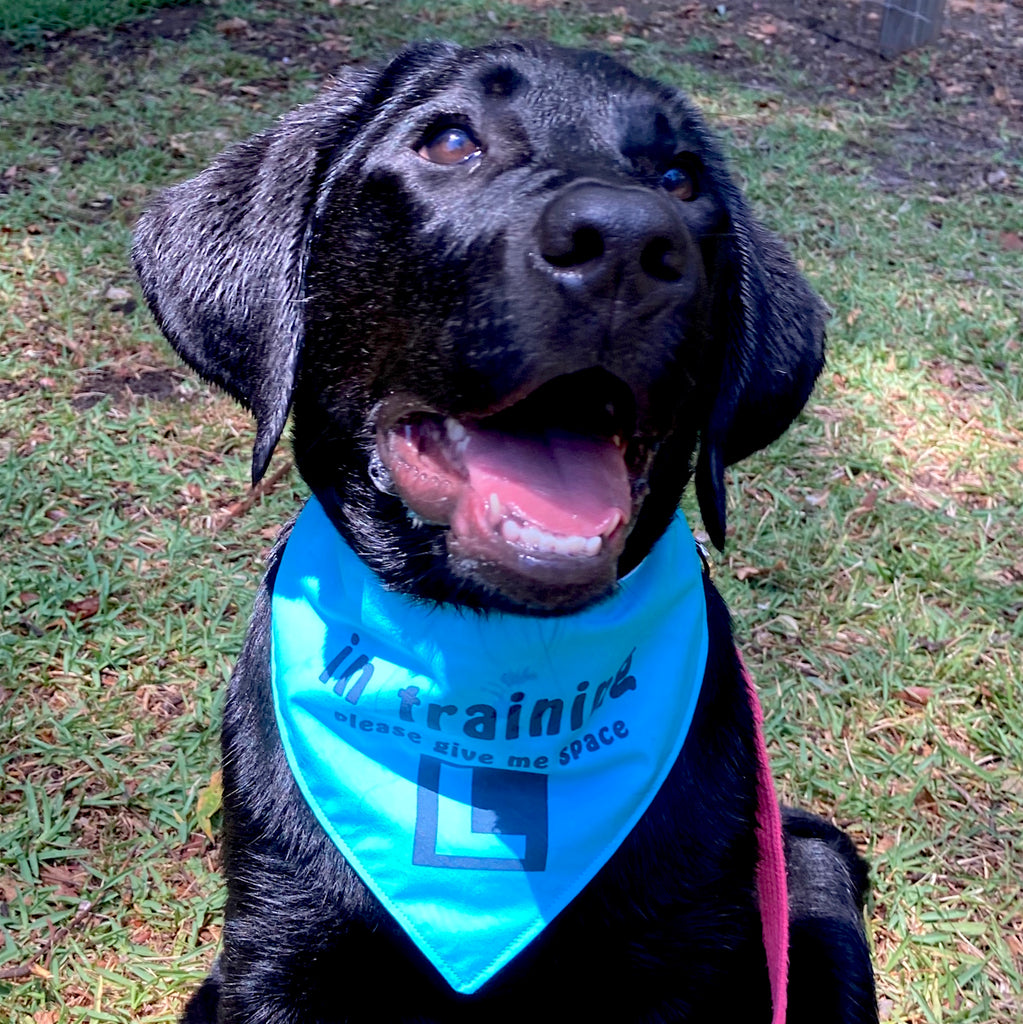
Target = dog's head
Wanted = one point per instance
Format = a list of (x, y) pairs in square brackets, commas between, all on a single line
[(512, 295)]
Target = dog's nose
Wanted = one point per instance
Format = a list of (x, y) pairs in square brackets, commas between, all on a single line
[(621, 239)]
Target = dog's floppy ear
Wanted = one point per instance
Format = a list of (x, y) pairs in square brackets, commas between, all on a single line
[(771, 324), (222, 257)]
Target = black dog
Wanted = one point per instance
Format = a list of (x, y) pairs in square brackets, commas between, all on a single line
[(538, 250)]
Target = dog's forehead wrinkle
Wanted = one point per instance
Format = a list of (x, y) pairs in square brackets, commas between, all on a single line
[(501, 79), (646, 131), (560, 87)]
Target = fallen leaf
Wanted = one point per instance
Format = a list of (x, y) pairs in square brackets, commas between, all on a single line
[(83, 609), (884, 843), (918, 695), (209, 803), (65, 880), (869, 500), (232, 26), (786, 625)]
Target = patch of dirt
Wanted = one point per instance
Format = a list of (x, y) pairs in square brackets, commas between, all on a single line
[(319, 44), (161, 385), (167, 23), (61, 48), (290, 37)]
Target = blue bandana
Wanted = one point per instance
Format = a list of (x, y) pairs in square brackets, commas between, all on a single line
[(478, 771)]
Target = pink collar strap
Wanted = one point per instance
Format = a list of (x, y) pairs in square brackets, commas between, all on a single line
[(772, 888)]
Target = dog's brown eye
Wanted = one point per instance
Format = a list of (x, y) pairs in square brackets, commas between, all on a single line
[(680, 181), (449, 146)]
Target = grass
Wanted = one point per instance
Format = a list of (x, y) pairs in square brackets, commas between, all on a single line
[(27, 21), (873, 564)]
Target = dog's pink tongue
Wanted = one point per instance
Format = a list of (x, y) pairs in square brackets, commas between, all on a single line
[(562, 483)]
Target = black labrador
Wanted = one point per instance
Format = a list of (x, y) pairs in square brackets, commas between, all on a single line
[(535, 246)]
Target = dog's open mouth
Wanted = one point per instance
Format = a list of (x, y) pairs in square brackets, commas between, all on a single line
[(545, 488)]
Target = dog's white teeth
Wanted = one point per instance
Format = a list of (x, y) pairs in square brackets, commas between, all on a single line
[(455, 431), (617, 441), (511, 531), (535, 539), (569, 545), (615, 520), (495, 510), (530, 537), (544, 541)]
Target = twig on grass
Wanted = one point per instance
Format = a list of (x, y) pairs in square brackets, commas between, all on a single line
[(32, 968), (238, 508)]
